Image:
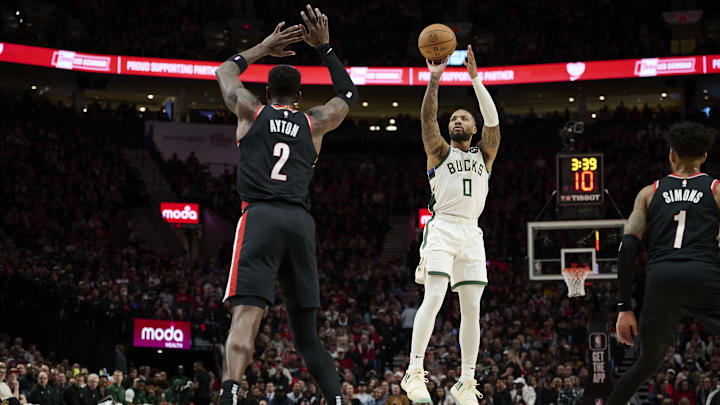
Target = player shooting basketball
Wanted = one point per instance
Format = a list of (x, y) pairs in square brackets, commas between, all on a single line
[(275, 236), (453, 249), (681, 212)]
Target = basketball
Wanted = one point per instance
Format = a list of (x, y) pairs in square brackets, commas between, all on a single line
[(436, 42)]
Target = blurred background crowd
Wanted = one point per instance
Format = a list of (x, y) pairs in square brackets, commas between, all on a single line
[(514, 32), (63, 258)]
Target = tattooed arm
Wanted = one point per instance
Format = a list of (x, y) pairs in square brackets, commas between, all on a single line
[(435, 146)]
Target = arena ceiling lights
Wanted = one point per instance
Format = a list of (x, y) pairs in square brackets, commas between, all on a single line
[(365, 76)]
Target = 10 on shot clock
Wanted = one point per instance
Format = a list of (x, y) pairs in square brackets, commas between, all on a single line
[(580, 179)]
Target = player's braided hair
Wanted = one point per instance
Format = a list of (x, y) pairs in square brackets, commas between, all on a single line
[(691, 140), (284, 81)]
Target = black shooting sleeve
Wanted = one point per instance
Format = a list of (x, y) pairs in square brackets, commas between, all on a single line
[(626, 263), (343, 85)]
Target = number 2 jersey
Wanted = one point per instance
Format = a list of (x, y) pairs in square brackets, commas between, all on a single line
[(683, 220), (459, 185), (277, 157)]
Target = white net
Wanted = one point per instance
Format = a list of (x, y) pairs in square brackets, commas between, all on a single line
[(575, 280)]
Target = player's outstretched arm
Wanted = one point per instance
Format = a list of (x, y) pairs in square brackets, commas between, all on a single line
[(435, 146), (237, 98), (626, 326), (329, 116), (490, 140)]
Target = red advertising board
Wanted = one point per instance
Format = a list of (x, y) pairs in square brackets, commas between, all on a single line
[(161, 334), (180, 212), (424, 216), (363, 75)]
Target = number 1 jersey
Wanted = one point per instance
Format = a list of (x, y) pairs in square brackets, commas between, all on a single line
[(683, 219), (277, 157), (459, 184)]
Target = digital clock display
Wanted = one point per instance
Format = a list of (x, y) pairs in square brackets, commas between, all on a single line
[(580, 179)]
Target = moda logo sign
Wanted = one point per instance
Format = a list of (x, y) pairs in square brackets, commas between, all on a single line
[(161, 334), (180, 213)]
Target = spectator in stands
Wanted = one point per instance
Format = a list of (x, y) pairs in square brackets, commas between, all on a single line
[(684, 390), (297, 391), (120, 359), (201, 384), (348, 394), (91, 394), (704, 390), (74, 393), (42, 394), (569, 393), (659, 391), (397, 397), (280, 397), (116, 390)]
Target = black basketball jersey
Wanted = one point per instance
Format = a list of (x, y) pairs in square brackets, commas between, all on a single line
[(277, 157), (683, 219)]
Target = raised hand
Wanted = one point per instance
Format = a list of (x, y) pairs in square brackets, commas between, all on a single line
[(317, 31), (276, 42), (436, 68), (470, 63)]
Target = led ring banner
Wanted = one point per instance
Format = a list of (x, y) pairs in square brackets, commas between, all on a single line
[(365, 76)]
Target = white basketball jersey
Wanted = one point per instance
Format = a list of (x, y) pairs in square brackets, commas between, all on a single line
[(459, 184)]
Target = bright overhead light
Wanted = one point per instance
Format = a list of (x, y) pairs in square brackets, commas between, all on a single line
[(571, 99), (391, 128), (33, 87), (593, 115), (706, 98), (150, 96), (705, 91), (392, 121), (17, 12), (395, 104), (663, 94), (85, 109), (365, 104), (21, 21), (601, 97), (143, 109)]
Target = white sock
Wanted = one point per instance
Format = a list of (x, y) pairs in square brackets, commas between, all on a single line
[(470, 295), (435, 288), (416, 361)]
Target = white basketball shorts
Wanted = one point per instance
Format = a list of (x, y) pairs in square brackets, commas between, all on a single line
[(454, 249)]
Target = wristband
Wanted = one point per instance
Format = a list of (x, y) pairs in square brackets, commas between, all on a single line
[(324, 49), (622, 306), (239, 61)]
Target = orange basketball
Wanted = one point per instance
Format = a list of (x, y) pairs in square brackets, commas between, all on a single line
[(436, 42)]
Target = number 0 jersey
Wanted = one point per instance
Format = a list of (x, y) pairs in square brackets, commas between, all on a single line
[(276, 157), (459, 185), (683, 219)]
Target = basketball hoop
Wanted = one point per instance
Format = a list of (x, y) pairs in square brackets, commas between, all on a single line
[(575, 279)]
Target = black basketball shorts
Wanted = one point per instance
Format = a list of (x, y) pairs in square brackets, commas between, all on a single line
[(677, 288), (274, 240)]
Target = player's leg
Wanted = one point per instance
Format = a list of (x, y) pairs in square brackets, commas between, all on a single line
[(436, 267), (470, 296), (301, 289), (257, 254), (247, 313), (657, 330), (469, 281)]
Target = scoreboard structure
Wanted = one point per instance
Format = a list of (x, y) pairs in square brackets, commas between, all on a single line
[(580, 179)]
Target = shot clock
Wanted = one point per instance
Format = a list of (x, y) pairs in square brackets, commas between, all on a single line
[(580, 179)]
